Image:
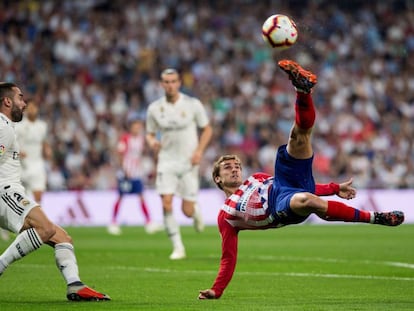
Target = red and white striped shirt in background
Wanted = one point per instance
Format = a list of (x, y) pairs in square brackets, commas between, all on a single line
[(131, 149)]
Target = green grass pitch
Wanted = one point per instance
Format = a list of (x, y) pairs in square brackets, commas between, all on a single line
[(302, 267)]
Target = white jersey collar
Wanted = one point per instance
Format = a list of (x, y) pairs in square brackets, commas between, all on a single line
[(5, 118)]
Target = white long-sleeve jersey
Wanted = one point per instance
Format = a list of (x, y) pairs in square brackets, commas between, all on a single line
[(177, 123), (10, 168)]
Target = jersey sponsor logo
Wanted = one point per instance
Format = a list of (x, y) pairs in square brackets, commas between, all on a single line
[(16, 155), (2, 150), (249, 195)]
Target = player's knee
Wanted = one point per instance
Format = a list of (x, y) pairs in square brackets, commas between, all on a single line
[(188, 208), (61, 236), (68, 239), (167, 203), (167, 209), (300, 199), (188, 212), (304, 200)]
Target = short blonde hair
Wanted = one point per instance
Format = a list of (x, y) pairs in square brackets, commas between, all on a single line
[(168, 71), (216, 166)]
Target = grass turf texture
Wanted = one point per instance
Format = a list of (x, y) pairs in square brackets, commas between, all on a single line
[(303, 267)]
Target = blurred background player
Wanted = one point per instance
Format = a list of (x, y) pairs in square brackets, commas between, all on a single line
[(34, 151), (177, 118), (20, 214), (129, 156)]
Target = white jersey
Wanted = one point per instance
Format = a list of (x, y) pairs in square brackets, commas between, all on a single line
[(10, 168), (31, 136), (177, 124)]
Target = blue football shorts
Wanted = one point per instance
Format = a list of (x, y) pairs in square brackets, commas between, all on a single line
[(128, 186), (291, 176)]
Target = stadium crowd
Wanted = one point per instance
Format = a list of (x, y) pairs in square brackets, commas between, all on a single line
[(94, 64)]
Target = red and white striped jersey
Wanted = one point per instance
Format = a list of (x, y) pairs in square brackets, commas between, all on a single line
[(131, 148), (247, 208)]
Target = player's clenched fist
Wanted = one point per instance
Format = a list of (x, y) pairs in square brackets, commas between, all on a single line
[(207, 294)]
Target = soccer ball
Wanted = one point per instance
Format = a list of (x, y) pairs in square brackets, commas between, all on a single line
[(279, 31)]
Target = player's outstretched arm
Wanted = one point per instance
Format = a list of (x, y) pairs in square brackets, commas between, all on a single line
[(207, 294), (228, 259), (343, 190), (346, 191)]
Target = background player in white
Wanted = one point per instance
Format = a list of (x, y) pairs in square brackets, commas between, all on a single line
[(22, 215), (34, 150), (177, 117), (129, 155)]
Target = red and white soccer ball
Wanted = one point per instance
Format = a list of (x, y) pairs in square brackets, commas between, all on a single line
[(279, 31)]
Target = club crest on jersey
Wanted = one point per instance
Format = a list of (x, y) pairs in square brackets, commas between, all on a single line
[(2, 150)]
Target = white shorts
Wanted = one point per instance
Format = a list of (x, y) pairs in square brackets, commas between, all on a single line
[(34, 179), (184, 183), (14, 207)]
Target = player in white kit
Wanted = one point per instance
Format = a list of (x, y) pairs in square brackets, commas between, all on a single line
[(176, 117), (34, 150), (20, 214), (31, 135)]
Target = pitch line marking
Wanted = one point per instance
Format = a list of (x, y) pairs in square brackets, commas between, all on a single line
[(335, 260), (249, 273), (294, 274)]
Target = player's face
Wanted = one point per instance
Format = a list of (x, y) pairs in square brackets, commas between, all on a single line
[(136, 128), (18, 105), (32, 110), (230, 174), (171, 84)]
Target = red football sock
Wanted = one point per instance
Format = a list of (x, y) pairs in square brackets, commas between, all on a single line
[(340, 211), (305, 111), (145, 211), (116, 209)]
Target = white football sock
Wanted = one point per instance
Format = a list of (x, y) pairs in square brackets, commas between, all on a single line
[(24, 243), (173, 231), (66, 262)]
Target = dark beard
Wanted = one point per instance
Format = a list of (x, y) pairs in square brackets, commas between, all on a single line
[(16, 114)]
